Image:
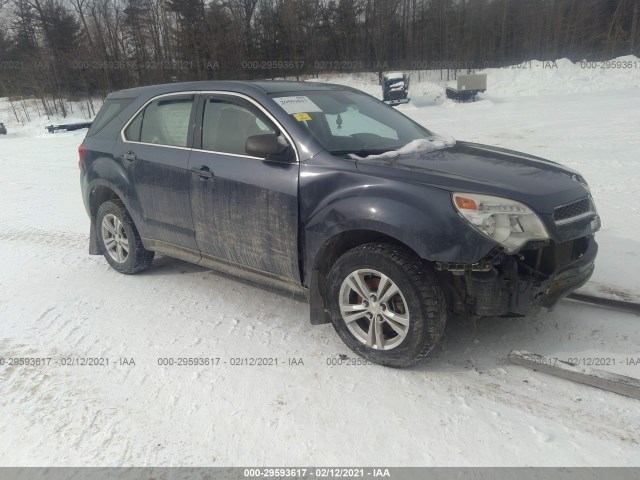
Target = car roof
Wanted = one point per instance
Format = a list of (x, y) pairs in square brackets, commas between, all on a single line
[(248, 87)]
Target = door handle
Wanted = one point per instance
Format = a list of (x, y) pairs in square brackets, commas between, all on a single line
[(203, 172), (129, 156)]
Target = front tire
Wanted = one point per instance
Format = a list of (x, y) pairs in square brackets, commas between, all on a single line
[(385, 305), (119, 240)]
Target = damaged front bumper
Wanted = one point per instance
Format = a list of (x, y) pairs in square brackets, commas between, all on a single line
[(519, 285), (569, 278)]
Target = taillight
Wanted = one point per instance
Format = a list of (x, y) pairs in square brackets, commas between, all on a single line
[(81, 156)]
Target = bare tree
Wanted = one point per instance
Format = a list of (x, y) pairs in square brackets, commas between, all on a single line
[(73, 47)]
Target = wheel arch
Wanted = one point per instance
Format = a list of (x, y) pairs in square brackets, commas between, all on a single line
[(327, 255), (99, 192), (98, 195), (105, 173)]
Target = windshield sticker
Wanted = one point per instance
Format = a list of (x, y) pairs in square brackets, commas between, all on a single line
[(297, 104), (302, 117)]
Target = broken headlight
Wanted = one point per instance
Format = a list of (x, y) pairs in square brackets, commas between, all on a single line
[(510, 223)]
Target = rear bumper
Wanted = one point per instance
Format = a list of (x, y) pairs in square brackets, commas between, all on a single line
[(454, 94), (395, 95), (396, 102)]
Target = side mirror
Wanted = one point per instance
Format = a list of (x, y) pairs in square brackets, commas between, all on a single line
[(264, 146)]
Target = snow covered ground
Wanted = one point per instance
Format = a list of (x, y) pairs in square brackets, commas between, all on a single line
[(464, 407)]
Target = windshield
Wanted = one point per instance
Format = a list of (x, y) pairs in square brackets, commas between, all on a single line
[(347, 122)]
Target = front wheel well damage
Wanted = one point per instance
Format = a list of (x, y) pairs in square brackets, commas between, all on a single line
[(333, 249)]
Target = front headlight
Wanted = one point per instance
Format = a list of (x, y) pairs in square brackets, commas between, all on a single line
[(508, 222)]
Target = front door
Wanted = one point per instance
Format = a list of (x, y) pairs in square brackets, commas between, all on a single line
[(245, 208)]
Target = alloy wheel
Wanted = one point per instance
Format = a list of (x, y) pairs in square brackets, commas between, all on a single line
[(374, 309), (115, 238)]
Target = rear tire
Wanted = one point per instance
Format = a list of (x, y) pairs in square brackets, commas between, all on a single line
[(404, 317), (119, 240)]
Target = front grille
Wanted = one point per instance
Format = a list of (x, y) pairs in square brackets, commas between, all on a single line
[(556, 256), (568, 212)]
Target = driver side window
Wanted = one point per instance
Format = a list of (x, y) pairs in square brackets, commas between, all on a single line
[(227, 125)]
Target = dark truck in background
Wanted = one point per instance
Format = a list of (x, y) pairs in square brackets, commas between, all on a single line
[(395, 88), (386, 227)]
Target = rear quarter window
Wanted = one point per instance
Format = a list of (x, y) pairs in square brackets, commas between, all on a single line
[(110, 109)]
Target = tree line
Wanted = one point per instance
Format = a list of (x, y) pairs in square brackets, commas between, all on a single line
[(67, 48)]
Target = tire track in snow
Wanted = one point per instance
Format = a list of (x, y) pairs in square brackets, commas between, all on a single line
[(43, 237), (64, 401), (568, 416)]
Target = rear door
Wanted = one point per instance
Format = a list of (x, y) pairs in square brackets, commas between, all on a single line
[(245, 208), (155, 151)]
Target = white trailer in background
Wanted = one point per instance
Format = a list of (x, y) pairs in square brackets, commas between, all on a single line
[(468, 87)]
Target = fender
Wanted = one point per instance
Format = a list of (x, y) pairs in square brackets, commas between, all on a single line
[(417, 216), (432, 233)]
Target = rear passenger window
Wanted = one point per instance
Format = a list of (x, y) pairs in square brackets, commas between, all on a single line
[(162, 122)]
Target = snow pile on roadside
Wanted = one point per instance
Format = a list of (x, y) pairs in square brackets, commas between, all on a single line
[(563, 76), (528, 78)]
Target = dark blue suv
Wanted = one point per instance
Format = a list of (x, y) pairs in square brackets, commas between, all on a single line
[(386, 227)]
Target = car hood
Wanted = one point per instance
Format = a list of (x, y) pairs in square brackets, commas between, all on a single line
[(475, 168)]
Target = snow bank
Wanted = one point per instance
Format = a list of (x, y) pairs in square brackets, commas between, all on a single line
[(529, 78), (563, 76)]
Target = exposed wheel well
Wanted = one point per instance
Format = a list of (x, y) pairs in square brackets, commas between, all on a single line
[(344, 242), (99, 195), (330, 252)]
